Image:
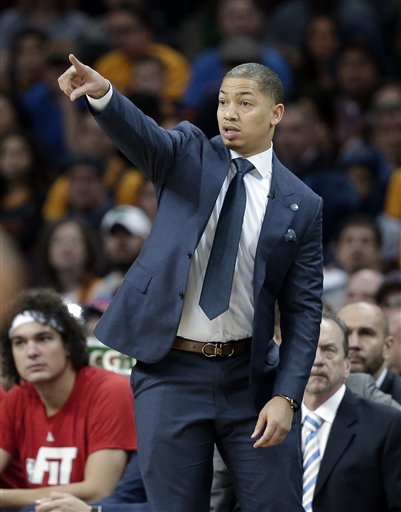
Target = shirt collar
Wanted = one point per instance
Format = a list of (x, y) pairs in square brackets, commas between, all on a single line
[(382, 376), (261, 161), (328, 409)]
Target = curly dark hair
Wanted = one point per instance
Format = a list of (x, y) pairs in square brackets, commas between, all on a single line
[(50, 305)]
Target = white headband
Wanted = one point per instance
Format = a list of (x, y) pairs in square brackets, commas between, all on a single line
[(26, 317)]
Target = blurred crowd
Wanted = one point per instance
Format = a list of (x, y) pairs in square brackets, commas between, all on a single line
[(74, 213), (60, 175)]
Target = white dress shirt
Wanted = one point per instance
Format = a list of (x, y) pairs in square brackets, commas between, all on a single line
[(236, 322), (327, 411)]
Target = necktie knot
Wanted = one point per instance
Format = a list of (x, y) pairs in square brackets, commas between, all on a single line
[(243, 165)]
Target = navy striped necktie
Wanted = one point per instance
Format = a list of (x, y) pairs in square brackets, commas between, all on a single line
[(217, 284)]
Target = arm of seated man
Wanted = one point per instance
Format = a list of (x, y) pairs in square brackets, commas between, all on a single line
[(103, 469)]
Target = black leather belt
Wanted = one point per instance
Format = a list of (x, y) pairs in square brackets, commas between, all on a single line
[(213, 348)]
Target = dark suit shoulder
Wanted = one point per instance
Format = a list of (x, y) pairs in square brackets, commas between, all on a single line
[(392, 386), (358, 407)]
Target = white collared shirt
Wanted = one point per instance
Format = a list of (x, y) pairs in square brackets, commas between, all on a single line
[(381, 377), (236, 322), (327, 411)]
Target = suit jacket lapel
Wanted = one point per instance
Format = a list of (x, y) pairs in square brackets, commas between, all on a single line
[(340, 437), (277, 219)]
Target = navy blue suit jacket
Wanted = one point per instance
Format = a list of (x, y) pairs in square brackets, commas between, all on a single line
[(188, 171), (361, 466)]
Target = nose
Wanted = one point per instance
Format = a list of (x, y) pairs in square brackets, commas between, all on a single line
[(318, 358), (32, 349), (231, 111), (353, 341)]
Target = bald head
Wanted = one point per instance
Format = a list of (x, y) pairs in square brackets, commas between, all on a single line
[(368, 336)]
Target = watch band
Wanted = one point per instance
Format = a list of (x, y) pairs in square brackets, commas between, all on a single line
[(293, 404)]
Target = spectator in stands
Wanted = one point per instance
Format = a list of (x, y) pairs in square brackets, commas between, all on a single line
[(369, 344), (241, 21), (289, 21), (358, 75), (59, 19), (67, 260), (24, 178), (388, 296), (318, 55), (392, 205), (69, 425), (149, 79), (27, 59), (356, 456), (356, 245), (301, 139), (384, 122), (124, 230), (13, 116), (363, 284), (366, 167), (133, 36), (394, 355), (88, 197), (122, 181), (52, 118)]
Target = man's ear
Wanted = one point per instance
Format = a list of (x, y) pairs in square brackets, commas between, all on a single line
[(388, 341), (278, 111)]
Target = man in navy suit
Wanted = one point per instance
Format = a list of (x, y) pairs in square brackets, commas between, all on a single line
[(201, 377), (359, 440)]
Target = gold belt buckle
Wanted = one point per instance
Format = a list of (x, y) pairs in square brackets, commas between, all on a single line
[(217, 350)]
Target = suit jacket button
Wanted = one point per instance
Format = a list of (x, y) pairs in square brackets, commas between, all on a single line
[(181, 295)]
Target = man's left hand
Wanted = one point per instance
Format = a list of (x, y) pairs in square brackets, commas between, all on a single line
[(274, 423)]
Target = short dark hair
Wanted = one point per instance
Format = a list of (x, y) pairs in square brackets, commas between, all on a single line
[(268, 80), (50, 305), (362, 220)]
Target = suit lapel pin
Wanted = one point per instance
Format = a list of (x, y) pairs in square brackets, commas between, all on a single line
[(294, 207)]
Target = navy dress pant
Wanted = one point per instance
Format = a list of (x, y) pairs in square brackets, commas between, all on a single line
[(183, 406)]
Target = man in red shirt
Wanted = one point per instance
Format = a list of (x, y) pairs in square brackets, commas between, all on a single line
[(69, 426)]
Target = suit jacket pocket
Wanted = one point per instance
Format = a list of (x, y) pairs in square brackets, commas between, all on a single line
[(139, 278), (272, 356)]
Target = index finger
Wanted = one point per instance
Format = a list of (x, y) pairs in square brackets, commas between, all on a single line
[(78, 65)]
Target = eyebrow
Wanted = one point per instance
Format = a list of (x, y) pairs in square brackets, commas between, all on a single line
[(241, 93)]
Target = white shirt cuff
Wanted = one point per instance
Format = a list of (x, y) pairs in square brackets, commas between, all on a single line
[(101, 103)]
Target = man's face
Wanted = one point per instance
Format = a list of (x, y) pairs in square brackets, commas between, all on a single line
[(121, 247), (357, 248), (39, 353), (86, 189), (246, 116), (331, 366), (363, 285), (366, 336)]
